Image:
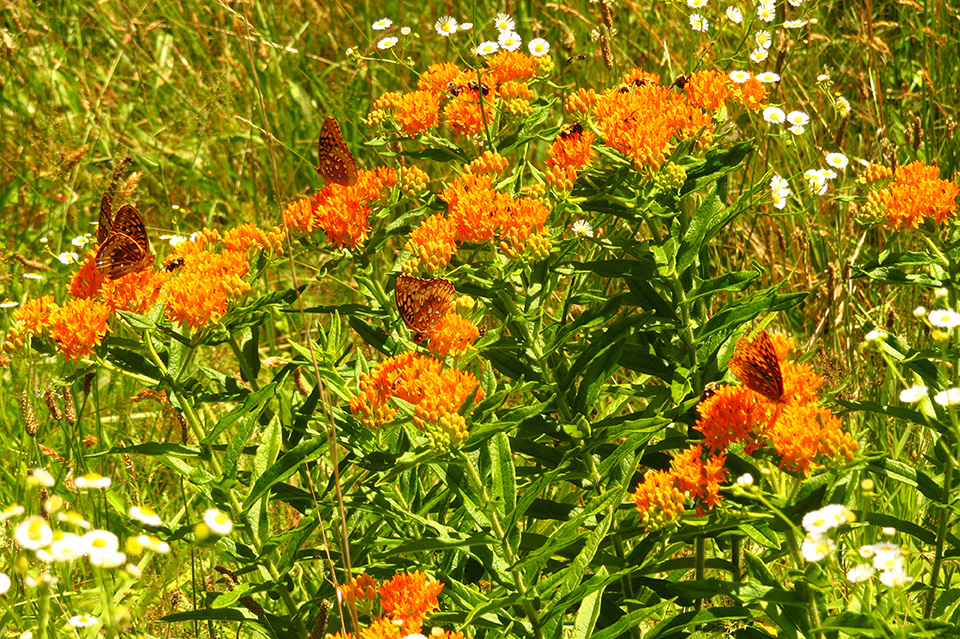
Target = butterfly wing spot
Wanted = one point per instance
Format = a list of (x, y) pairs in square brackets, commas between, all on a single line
[(756, 365), (336, 162), (423, 302)]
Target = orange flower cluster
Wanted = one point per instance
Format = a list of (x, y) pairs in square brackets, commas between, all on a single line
[(404, 602), (360, 587), (469, 99), (751, 94), (642, 119), (488, 162), (476, 213), (569, 153), (708, 89), (452, 335), (436, 394), (416, 112), (917, 193), (197, 296), (342, 212), (800, 432), (409, 597)]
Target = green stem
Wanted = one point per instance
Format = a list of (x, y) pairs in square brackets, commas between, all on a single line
[(508, 553), (244, 364), (941, 536)]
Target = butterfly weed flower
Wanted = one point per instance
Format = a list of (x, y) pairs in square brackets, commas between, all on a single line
[(249, 236), (569, 153), (433, 243), (699, 475), (358, 589), (580, 102), (452, 335), (707, 89), (511, 65), (200, 293), (917, 193), (489, 162), (438, 77), (416, 112), (658, 500), (752, 94), (413, 180), (410, 597), (79, 327), (35, 315)]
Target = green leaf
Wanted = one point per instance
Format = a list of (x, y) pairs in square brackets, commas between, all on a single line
[(287, 465)]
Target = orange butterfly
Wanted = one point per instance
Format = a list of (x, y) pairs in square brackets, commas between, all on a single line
[(755, 363), (337, 163), (124, 247), (423, 302)]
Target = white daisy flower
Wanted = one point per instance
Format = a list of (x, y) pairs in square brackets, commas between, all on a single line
[(860, 573), (81, 240), (764, 39), (875, 334), (145, 515), (699, 23), (509, 40), (582, 228), (33, 533), (9, 304), (734, 15), (487, 48), (32, 276), (503, 22), (816, 547), (837, 160), (218, 522), (913, 394), (745, 480), (382, 24), (774, 115), (739, 76), (798, 117), (794, 24), (538, 47), (919, 311), (92, 480), (465, 26), (82, 621), (40, 477), (767, 12), (949, 397), (405, 31), (895, 578), (386, 43), (797, 129), (768, 76), (843, 106), (68, 258), (446, 26), (759, 55), (696, 4)]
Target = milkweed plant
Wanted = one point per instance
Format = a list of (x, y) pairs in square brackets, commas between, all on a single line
[(562, 451)]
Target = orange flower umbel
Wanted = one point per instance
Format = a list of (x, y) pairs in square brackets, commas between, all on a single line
[(511, 65), (569, 153), (34, 315), (410, 597), (383, 628), (801, 432), (436, 395), (198, 296), (707, 89), (434, 243), (658, 499), (917, 193), (452, 335), (438, 77), (342, 211), (752, 94), (362, 591), (79, 326), (86, 282)]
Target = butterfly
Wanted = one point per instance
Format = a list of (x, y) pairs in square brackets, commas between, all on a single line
[(422, 302), (124, 247), (755, 363), (337, 163)]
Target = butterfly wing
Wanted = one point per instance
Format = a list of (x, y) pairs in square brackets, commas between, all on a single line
[(423, 302), (755, 363), (337, 163), (126, 248), (105, 221)]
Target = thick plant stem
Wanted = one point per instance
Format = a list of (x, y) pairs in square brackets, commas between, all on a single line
[(508, 554), (941, 537)]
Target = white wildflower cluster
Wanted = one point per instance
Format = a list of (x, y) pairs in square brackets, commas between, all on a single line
[(507, 37), (818, 544), (883, 557)]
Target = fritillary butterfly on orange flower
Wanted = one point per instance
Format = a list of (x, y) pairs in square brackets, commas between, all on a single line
[(756, 365), (124, 247), (337, 163), (423, 302)]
